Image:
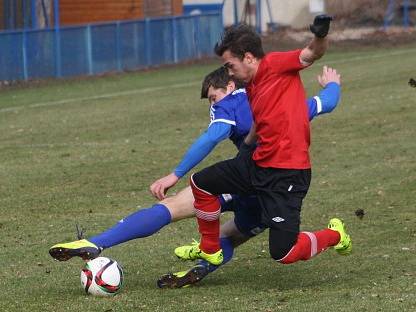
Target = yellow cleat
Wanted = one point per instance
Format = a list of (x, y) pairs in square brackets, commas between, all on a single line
[(344, 247), (192, 252), (80, 248)]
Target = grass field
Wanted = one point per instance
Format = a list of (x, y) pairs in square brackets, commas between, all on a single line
[(86, 151)]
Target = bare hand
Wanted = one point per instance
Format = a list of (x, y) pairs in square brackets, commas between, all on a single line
[(161, 186), (329, 75)]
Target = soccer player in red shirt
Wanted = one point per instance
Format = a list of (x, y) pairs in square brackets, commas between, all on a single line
[(277, 167)]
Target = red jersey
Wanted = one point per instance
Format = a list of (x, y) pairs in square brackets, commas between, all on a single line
[(277, 100)]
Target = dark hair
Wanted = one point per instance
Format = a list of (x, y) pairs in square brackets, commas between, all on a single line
[(218, 79), (239, 39)]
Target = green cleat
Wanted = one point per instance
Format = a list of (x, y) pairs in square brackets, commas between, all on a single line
[(192, 252), (344, 247), (184, 278), (80, 248)]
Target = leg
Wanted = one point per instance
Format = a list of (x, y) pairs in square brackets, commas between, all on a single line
[(146, 222), (282, 207), (230, 231), (281, 242), (306, 245), (231, 238), (231, 176), (245, 225), (142, 223), (181, 205)]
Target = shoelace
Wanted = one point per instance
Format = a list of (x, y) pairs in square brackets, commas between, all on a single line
[(194, 244)]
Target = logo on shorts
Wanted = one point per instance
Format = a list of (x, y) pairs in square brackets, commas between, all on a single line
[(278, 219)]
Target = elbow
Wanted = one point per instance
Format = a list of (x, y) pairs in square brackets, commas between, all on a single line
[(328, 106), (331, 106), (318, 48), (212, 140), (318, 54), (311, 56), (333, 103)]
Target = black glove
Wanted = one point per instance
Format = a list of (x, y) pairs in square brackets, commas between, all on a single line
[(412, 83), (320, 26)]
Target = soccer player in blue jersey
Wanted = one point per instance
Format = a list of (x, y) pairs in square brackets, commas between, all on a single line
[(230, 118)]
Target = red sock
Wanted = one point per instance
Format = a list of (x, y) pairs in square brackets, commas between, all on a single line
[(207, 210), (310, 244)]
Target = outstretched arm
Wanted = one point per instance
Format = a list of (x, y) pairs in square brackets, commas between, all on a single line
[(216, 133), (328, 98), (319, 44)]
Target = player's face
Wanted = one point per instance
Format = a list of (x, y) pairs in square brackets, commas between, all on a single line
[(216, 95), (236, 67)]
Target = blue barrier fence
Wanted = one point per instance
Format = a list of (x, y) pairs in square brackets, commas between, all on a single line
[(98, 48)]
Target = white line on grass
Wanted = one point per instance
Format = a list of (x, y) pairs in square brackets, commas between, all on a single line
[(182, 85), (369, 57), (99, 97), (52, 145)]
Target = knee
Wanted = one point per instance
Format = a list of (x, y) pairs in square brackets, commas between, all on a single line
[(180, 206), (278, 252), (195, 181), (173, 208), (280, 243), (198, 191), (201, 181)]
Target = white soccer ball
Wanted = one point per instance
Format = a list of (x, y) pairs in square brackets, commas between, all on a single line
[(102, 277)]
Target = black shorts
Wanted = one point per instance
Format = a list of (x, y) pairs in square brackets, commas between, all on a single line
[(280, 192)]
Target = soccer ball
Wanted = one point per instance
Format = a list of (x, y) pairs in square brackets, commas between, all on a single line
[(102, 277)]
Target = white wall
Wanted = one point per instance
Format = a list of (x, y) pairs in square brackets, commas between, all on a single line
[(295, 13)]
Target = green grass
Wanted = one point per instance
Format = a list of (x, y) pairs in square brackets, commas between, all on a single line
[(86, 151)]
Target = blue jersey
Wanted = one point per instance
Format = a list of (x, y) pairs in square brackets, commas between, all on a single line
[(234, 110), (231, 118)]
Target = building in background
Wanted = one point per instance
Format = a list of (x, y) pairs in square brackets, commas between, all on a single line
[(263, 14), (194, 7), (297, 14), (92, 11), (18, 14)]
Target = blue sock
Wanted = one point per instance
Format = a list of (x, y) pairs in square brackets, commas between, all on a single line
[(141, 223), (227, 250)]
